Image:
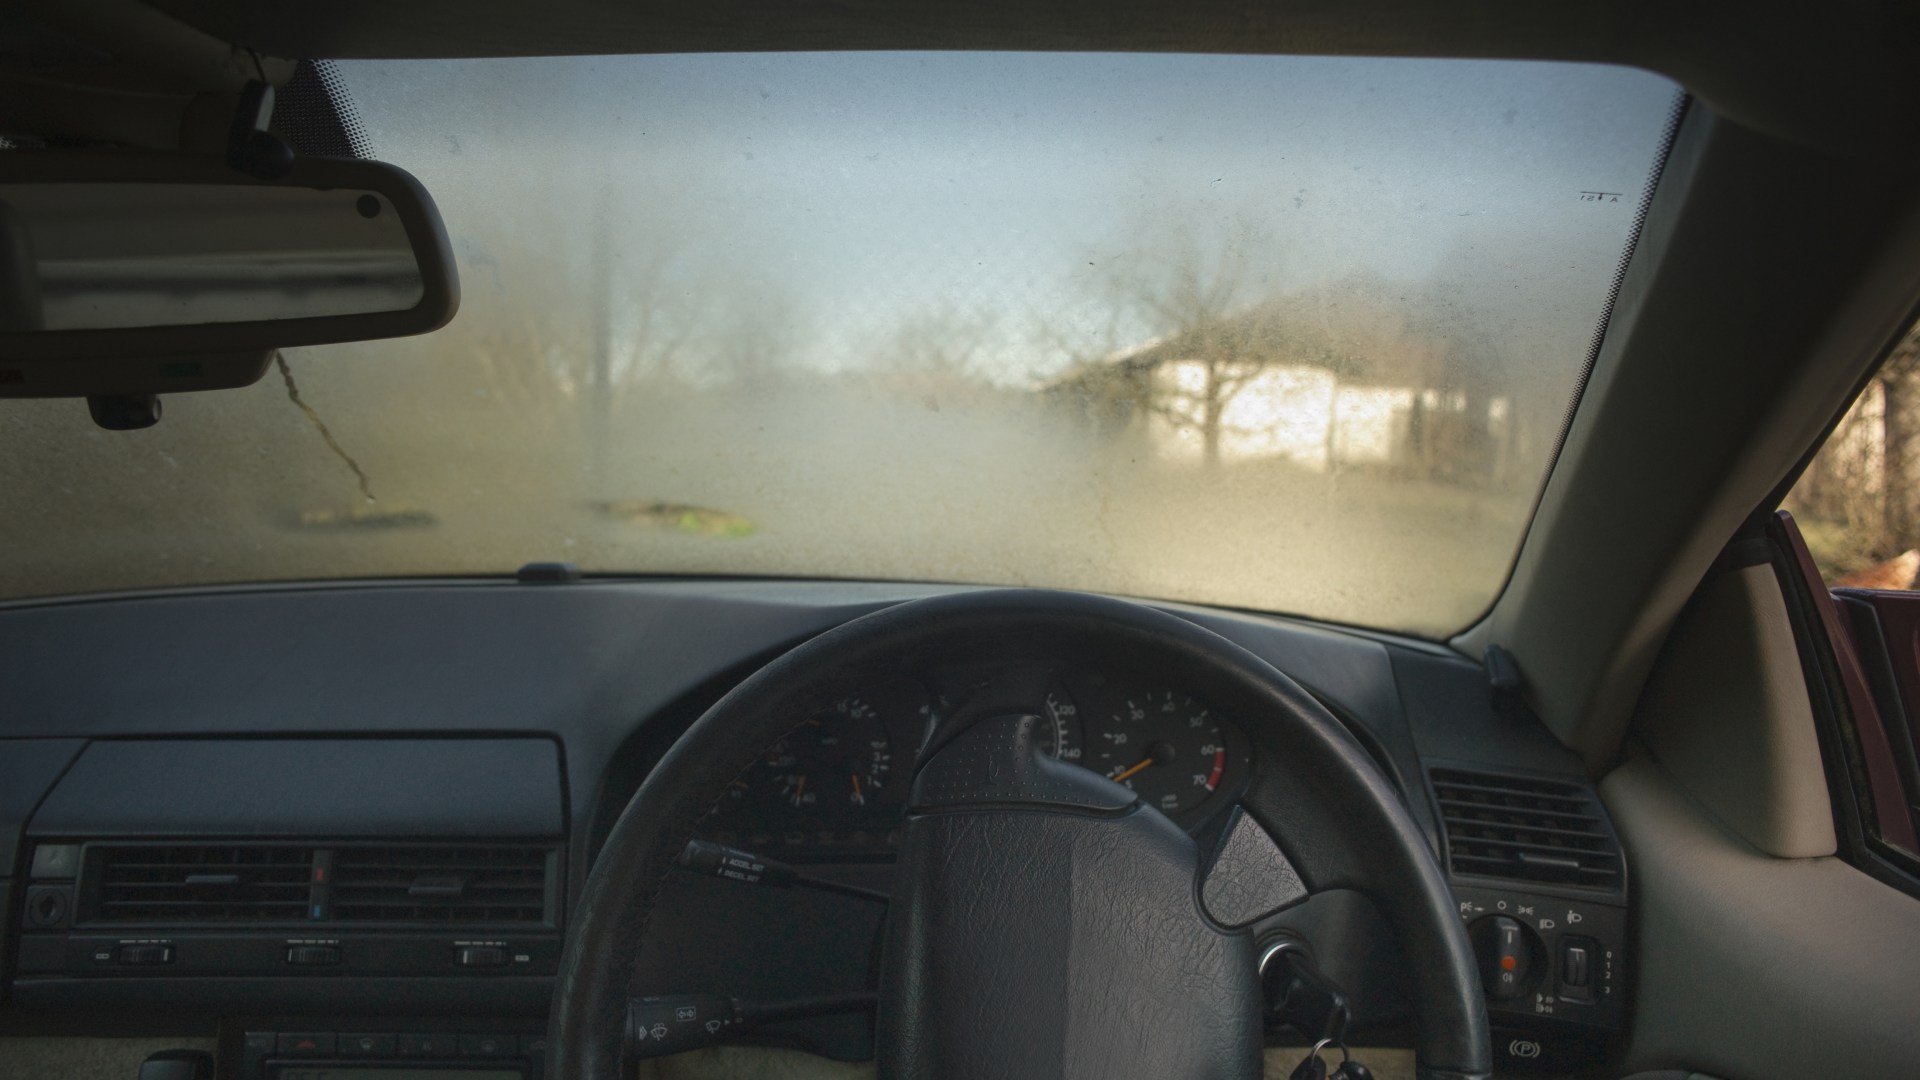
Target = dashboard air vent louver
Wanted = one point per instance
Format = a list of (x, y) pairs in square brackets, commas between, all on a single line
[(202, 883), (429, 884), (1525, 829)]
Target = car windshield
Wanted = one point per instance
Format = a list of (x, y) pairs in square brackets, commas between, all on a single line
[(1289, 334)]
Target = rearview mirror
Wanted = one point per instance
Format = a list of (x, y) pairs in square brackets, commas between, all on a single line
[(138, 274)]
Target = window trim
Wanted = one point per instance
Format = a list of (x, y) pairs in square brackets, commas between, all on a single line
[(1862, 781)]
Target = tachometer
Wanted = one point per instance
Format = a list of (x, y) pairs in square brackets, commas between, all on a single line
[(833, 768), (1164, 745)]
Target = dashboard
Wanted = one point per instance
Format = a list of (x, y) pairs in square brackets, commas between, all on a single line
[(330, 823), (837, 785)]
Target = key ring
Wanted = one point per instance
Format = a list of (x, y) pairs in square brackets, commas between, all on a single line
[(1344, 1055)]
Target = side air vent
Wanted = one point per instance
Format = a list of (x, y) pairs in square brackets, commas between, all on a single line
[(189, 884), (480, 885), (1525, 829)]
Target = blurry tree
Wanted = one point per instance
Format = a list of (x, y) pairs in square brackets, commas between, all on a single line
[(1190, 296), (1188, 292), (754, 332), (1476, 345), (942, 342), (569, 334), (940, 355), (1859, 499), (1899, 382)]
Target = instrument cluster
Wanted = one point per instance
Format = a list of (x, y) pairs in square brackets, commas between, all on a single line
[(836, 786)]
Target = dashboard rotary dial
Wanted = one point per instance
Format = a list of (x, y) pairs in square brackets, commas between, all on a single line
[(833, 769), (1162, 744)]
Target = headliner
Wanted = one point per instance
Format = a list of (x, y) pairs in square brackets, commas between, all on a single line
[(1842, 75), (1803, 71)]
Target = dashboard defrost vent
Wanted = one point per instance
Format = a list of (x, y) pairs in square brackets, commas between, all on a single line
[(1525, 829), (186, 884), (466, 885)]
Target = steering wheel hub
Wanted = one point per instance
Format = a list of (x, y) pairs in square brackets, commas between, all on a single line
[(1046, 924)]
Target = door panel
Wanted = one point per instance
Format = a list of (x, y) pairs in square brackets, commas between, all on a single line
[(1753, 967), (1885, 631)]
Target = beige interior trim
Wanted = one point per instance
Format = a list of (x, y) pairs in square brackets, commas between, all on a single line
[(1726, 712), (762, 1063), (72, 1057), (88, 1058), (1753, 966)]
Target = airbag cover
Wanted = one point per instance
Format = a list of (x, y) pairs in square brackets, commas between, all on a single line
[(1041, 941)]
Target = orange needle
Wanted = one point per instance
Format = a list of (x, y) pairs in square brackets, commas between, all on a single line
[(858, 795), (1129, 772), (799, 789)]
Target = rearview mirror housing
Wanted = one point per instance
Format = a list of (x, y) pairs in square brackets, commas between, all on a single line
[(133, 274)]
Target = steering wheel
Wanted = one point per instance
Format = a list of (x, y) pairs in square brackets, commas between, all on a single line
[(1044, 922)]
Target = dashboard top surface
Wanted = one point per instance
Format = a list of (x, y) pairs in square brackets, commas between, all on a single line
[(474, 656), (599, 665)]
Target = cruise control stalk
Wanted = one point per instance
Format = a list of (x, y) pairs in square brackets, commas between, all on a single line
[(718, 860), (658, 1026)]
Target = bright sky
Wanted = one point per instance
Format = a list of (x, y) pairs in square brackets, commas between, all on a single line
[(852, 193)]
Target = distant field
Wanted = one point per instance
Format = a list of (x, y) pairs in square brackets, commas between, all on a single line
[(837, 480)]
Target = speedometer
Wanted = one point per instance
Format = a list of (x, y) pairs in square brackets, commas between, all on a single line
[(1162, 744), (1060, 726)]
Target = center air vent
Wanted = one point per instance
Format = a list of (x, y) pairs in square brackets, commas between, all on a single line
[(180, 885), (452, 885), (1525, 829), (470, 885)]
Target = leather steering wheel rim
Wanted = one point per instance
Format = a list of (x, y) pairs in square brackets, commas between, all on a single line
[(1324, 800)]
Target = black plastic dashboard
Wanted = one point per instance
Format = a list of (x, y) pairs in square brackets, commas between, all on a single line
[(468, 743)]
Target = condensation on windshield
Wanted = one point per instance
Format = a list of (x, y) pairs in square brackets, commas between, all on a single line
[(1278, 333)]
